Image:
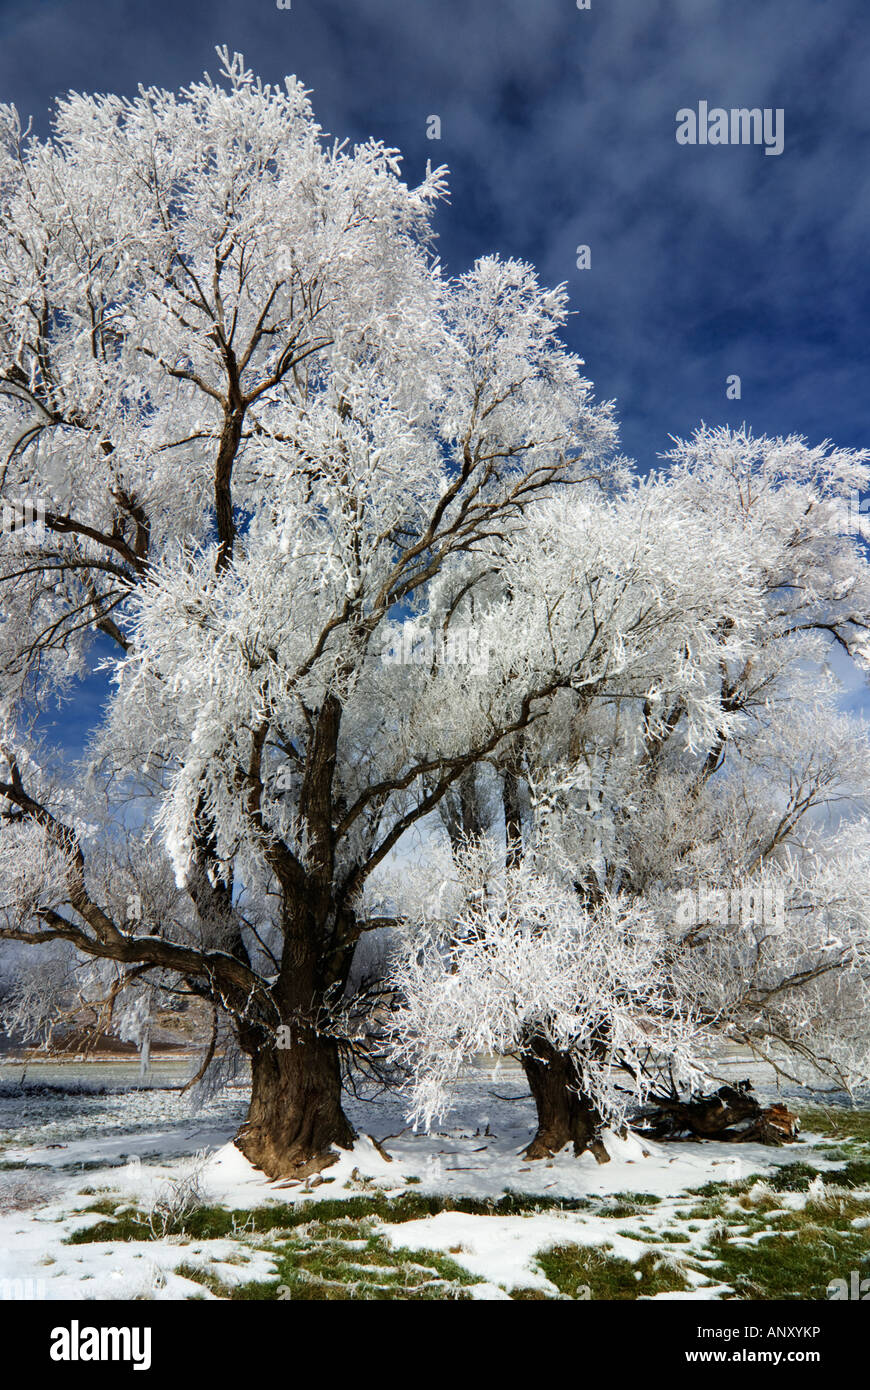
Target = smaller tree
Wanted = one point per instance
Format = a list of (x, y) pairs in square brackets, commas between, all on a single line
[(582, 996), (682, 790)]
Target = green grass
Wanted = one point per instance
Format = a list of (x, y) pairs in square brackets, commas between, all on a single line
[(574, 1269), (791, 1177), (796, 1265), (212, 1223), (801, 1251), (328, 1261), (629, 1204), (851, 1126)]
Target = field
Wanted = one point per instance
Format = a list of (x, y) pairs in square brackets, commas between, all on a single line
[(114, 1189)]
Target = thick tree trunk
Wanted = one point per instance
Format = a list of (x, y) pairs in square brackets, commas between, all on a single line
[(565, 1115), (295, 1120)]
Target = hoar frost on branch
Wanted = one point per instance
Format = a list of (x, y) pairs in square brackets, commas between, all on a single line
[(523, 960)]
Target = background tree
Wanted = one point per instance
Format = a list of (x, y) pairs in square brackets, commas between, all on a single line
[(699, 774)]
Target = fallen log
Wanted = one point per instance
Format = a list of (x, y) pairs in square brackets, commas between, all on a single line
[(732, 1115), (775, 1125)]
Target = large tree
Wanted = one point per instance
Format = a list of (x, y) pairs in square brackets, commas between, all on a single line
[(263, 430)]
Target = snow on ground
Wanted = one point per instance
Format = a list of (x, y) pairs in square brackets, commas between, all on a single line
[(34, 1257), (133, 1143), (501, 1249)]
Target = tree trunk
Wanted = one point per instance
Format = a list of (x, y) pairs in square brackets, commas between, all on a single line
[(565, 1115), (295, 1120)]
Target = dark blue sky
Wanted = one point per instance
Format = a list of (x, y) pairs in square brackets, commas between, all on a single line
[(558, 126)]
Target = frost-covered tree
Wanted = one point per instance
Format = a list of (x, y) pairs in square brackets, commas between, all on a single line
[(583, 996), (260, 431), (698, 779)]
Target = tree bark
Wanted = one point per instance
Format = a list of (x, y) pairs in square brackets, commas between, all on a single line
[(565, 1115), (513, 816), (295, 1120)]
